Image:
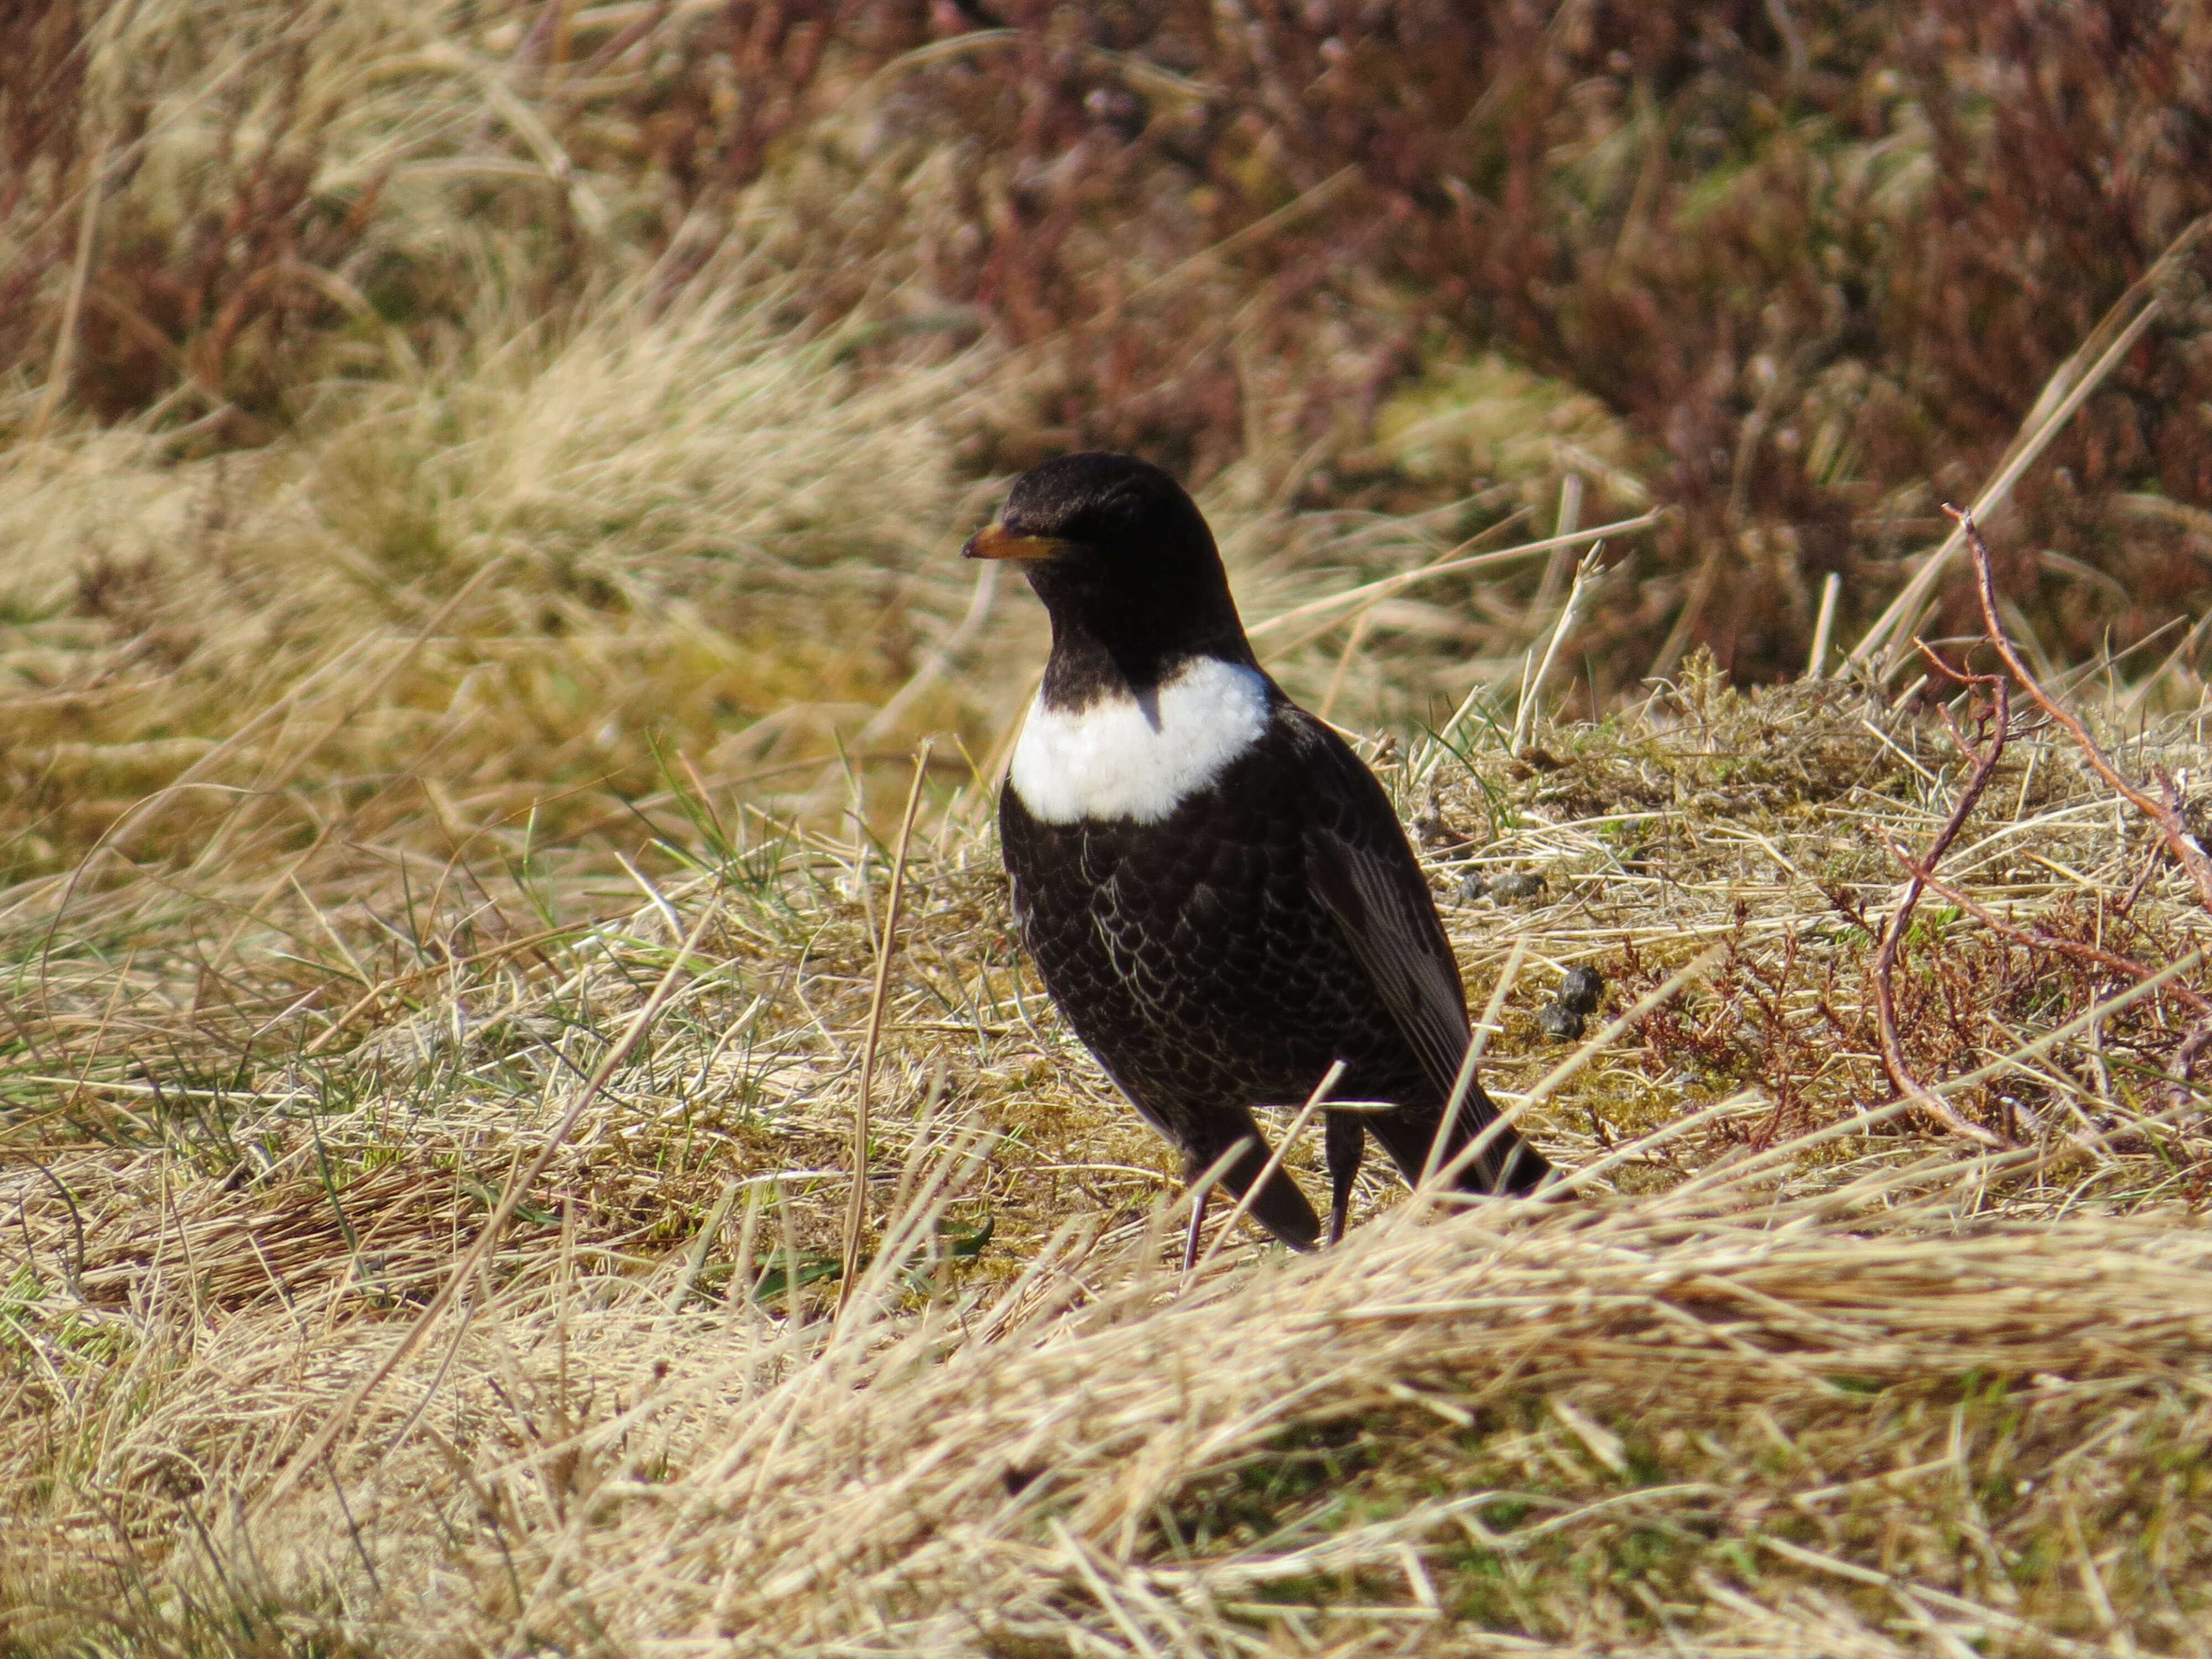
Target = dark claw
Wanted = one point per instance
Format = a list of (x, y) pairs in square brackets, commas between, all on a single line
[(1344, 1143)]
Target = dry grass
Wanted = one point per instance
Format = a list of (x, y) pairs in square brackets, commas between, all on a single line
[(690, 524), (1795, 1375), (475, 559), (1796, 275)]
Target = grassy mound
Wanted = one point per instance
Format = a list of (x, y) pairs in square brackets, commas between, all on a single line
[(1797, 1370)]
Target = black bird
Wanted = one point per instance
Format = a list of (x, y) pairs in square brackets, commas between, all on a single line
[(1215, 889)]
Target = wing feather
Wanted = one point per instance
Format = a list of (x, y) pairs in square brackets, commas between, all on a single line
[(1364, 874)]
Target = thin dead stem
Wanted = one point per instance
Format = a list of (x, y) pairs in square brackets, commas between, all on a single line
[(856, 1210), (2165, 814), (2035, 939)]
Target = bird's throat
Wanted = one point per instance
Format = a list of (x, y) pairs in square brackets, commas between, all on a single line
[(1091, 663), (1138, 752)]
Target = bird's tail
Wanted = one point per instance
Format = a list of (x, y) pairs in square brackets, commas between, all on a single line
[(1507, 1164)]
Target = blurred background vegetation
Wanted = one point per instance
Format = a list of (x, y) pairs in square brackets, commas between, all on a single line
[(473, 385)]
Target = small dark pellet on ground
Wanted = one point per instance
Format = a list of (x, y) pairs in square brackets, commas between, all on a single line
[(1580, 988), (1557, 1020), (1517, 885)]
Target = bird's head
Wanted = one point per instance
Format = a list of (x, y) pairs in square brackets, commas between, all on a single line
[(1118, 550)]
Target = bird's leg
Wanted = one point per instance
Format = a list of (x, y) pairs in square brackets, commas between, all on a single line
[(1197, 1222), (1343, 1143)]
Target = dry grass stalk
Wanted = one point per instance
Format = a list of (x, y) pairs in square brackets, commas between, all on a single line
[(1532, 684), (1816, 662), (856, 1213), (1880, 647)]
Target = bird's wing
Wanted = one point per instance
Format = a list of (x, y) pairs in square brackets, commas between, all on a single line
[(1364, 874)]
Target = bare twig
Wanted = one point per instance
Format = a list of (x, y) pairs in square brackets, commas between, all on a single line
[(1893, 931), (2037, 940), (2167, 813)]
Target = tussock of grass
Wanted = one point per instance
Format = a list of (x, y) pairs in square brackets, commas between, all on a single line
[(1793, 1375), (530, 573), (1789, 1428), (497, 573)]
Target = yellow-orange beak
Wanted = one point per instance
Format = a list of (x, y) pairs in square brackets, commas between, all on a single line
[(995, 541)]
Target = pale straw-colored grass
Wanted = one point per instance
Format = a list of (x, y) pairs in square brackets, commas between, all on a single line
[(1796, 1382)]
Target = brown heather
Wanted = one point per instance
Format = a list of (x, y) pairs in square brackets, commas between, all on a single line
[(477, 514)]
